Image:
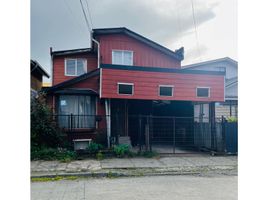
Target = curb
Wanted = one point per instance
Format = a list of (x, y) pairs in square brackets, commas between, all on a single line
[(138, 172)]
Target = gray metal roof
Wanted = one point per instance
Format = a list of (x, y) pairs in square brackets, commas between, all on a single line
[(35, 66), (226, 59)]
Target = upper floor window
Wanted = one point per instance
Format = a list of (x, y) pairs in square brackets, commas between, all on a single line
[(166, 90), (125, 88), (75, 67), (203, 92), (121, 57)]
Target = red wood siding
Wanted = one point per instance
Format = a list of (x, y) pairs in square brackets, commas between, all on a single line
[(143, 55), (90, 83), (58, 66), (146, 85)]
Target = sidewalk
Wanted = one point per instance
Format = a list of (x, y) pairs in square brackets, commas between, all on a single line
[(136, 166)]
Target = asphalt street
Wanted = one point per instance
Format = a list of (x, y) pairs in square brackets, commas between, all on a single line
[(139, 188)]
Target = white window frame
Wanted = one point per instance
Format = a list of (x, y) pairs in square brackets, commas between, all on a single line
[(172, 91), (198, 87), (65, 66), (121, 83), (122, 51)]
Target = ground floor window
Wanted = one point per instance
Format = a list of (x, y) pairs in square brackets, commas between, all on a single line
[(77, 110)]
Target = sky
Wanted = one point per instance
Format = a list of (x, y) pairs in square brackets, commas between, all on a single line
[(210, 32)]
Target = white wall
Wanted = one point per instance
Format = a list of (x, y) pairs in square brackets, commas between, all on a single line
[(231, 70), (231, 91)]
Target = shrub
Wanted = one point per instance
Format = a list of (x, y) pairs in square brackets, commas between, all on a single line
[(94, 147), (44, 130), (121, 150), (99, 156), (231, 119), (52, 154)]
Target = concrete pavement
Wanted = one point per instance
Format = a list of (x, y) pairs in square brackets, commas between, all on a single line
[(135, 166), (139, 188)]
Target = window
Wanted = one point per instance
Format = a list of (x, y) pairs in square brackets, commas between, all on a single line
[(75, 67), (125, 88), (222, 69), (120, 57), (203, 92), (82, 108), (166, 90)]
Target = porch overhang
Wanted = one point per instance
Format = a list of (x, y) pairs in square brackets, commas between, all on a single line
[(76, 92), (67, 85)]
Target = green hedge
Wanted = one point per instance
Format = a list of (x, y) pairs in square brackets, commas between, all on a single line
[(52, 154)]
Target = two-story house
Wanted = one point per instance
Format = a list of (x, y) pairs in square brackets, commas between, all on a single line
[(125, 75)]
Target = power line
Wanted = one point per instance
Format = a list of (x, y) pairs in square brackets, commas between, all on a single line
[(90, 18), (75, 19), (85, 16), (196, 36), (179, 25)]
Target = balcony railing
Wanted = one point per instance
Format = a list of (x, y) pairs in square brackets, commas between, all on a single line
[(72, 121)]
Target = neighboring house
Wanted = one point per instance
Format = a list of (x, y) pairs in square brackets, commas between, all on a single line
[(37, 73), (229, 107), (46, 85), (123, 75)]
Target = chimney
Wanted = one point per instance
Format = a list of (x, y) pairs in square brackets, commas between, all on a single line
[(180, 53)]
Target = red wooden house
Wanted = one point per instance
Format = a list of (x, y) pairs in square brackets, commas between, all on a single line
[(125, 75)]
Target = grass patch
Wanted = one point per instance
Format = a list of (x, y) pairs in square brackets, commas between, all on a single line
[(111, 175), (56, 178), (71, 178), (45, 179)]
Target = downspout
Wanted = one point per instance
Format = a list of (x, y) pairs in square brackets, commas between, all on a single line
[(107, 101), (98, 46)]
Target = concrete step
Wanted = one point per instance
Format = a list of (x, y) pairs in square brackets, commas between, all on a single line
[(124, 140)]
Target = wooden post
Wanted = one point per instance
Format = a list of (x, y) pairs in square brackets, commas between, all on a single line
[(212, 122), (140, 133), (174, 134), (147, 142)]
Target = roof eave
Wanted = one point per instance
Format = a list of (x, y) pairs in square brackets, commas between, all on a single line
[(71, 51), (160, 69), (72, 81)]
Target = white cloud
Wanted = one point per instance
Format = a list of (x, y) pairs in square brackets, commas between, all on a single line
[(169, 22)]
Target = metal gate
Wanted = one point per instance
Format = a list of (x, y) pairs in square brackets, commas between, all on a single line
[(231, 137), (169, 134)]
